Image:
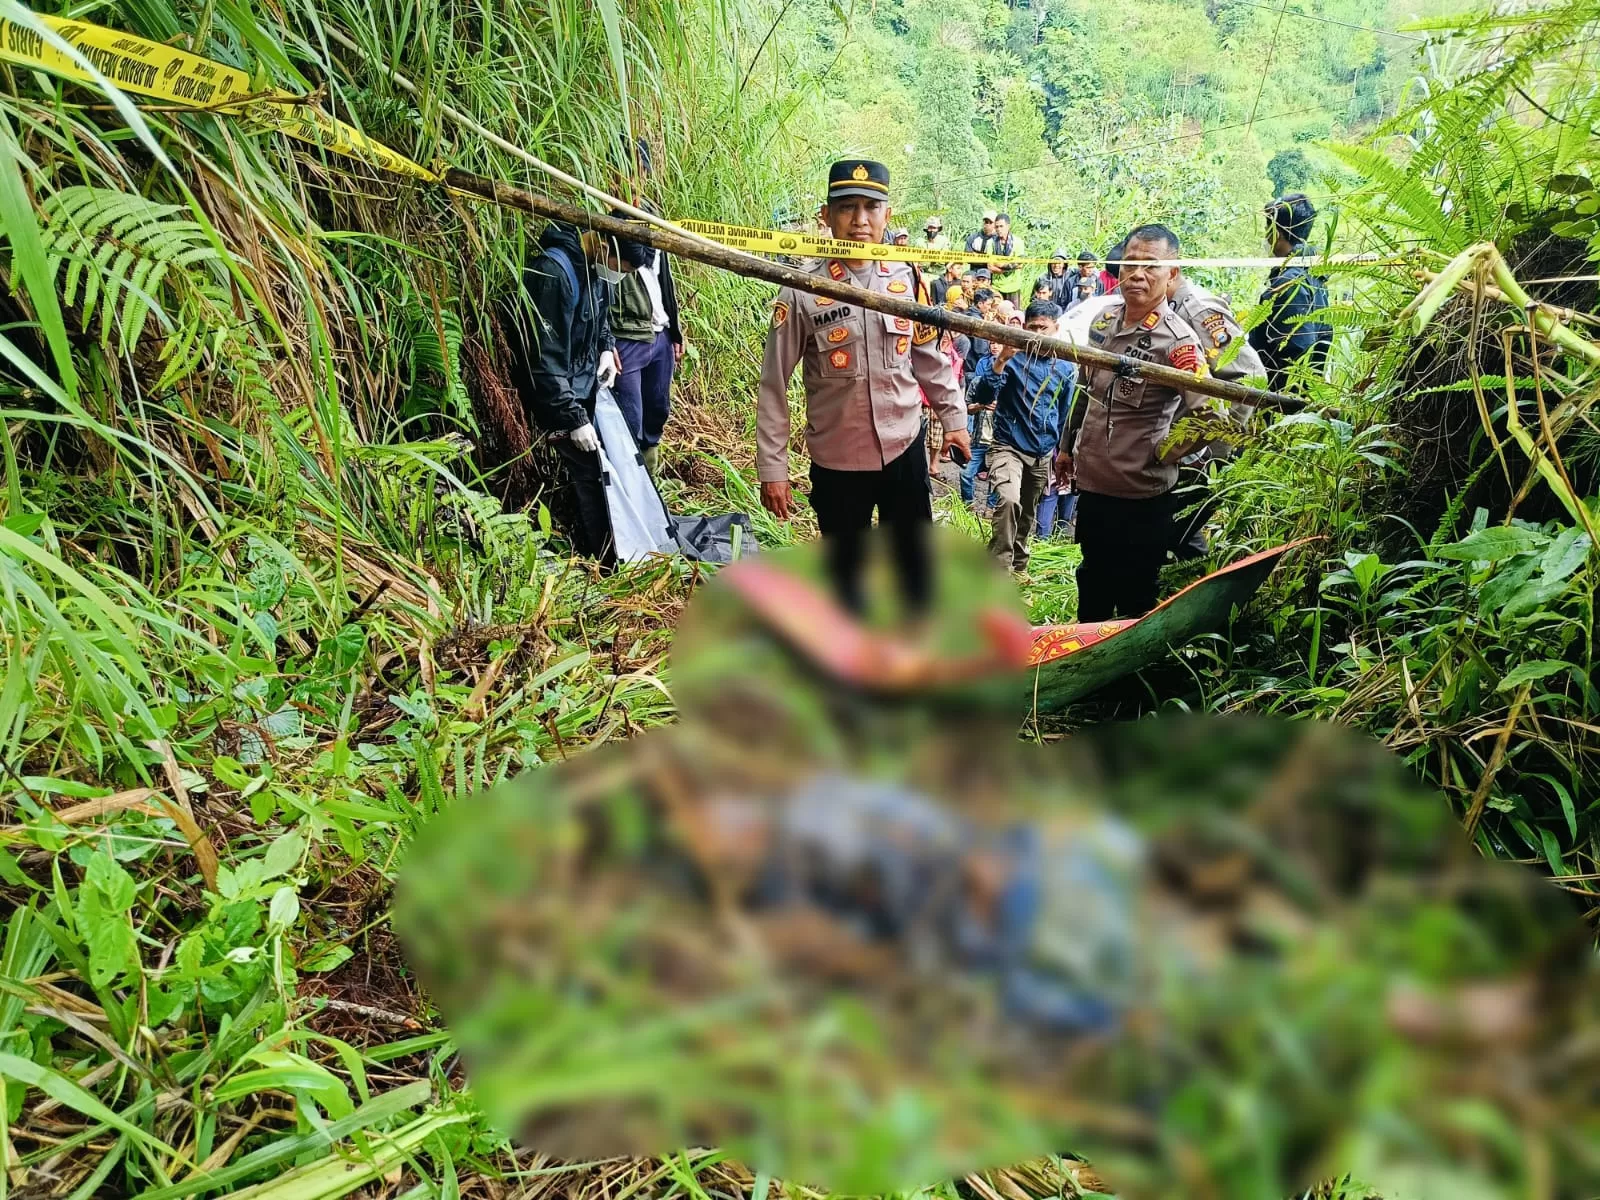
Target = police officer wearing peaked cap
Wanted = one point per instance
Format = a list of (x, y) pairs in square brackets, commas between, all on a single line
[(1288, 335), (865, 373)]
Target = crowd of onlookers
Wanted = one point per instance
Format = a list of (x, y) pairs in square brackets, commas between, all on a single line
[(997, 291)]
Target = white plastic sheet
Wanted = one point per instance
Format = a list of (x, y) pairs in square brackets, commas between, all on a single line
[(639, 525)]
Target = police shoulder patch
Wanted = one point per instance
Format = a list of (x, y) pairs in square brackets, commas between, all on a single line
[(1151, 321), (780, 313), (925, 334), (836, 270), (1186, 357)]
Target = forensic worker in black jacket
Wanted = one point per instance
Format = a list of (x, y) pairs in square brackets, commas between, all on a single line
[(1287, 335), (563, 352)]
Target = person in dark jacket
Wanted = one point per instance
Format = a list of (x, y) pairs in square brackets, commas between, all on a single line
[(1288, 335), (1059, 280), (939, 287), (982, 241), (562, 352), (1032, 396), (1086, 281)]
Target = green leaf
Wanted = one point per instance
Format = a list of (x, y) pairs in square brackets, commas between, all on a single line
[(1364, 568), (113, 950), (345, 648), (1507, 582), (1570, 185), (62, 1090), (28, 257), (326, 958), (115, 885), (1573, 229), (1531, 672), (302, 1078), (283, 855), (1494, 544), (284, 909), (1568, 552), (1532, 596), (1568, 808), (375, 1112), (1552, 851), (611, 18)]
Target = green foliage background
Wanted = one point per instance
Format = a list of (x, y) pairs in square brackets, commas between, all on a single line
[(1084, 119), (263, 612)]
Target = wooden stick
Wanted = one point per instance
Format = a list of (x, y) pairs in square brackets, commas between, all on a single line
[(753, 267)]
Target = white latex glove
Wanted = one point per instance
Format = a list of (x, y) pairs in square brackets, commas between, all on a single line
[(584, 437), (609, 366)]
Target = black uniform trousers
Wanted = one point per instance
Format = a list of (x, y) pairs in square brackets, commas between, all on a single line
[(1189, 532), (1124, 545), (844, 502), (590, 528)]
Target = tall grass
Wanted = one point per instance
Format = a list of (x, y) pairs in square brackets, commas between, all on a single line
[(260, 616)]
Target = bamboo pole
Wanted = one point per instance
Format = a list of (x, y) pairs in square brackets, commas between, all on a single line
[(753, 267), (511, 148)]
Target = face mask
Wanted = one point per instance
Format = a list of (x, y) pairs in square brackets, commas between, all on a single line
[(607, 274)]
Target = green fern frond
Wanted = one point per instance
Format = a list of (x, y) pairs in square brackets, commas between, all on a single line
[(128, 259), (1408, 202)]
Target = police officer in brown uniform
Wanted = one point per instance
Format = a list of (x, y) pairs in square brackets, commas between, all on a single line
[(864, 415), (1230, 356), (1113, 444)]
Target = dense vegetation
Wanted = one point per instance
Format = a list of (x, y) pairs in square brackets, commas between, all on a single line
[(264, 610), (1084, 119)]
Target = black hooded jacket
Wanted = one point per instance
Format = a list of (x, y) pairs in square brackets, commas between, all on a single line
[(555, 351), (1288, 335)]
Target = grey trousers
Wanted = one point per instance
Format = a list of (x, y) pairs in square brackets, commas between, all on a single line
[(1019, 481)]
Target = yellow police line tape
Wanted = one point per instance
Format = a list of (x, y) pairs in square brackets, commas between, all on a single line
[(147, 68), (807, 245)]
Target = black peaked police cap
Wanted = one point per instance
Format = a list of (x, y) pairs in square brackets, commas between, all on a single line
[(858, 177)]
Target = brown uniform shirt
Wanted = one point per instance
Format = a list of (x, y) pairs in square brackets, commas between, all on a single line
[(861, 369), (1213, 322), (1117, 442)]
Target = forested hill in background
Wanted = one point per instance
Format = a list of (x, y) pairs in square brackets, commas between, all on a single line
[(1083, 117)]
